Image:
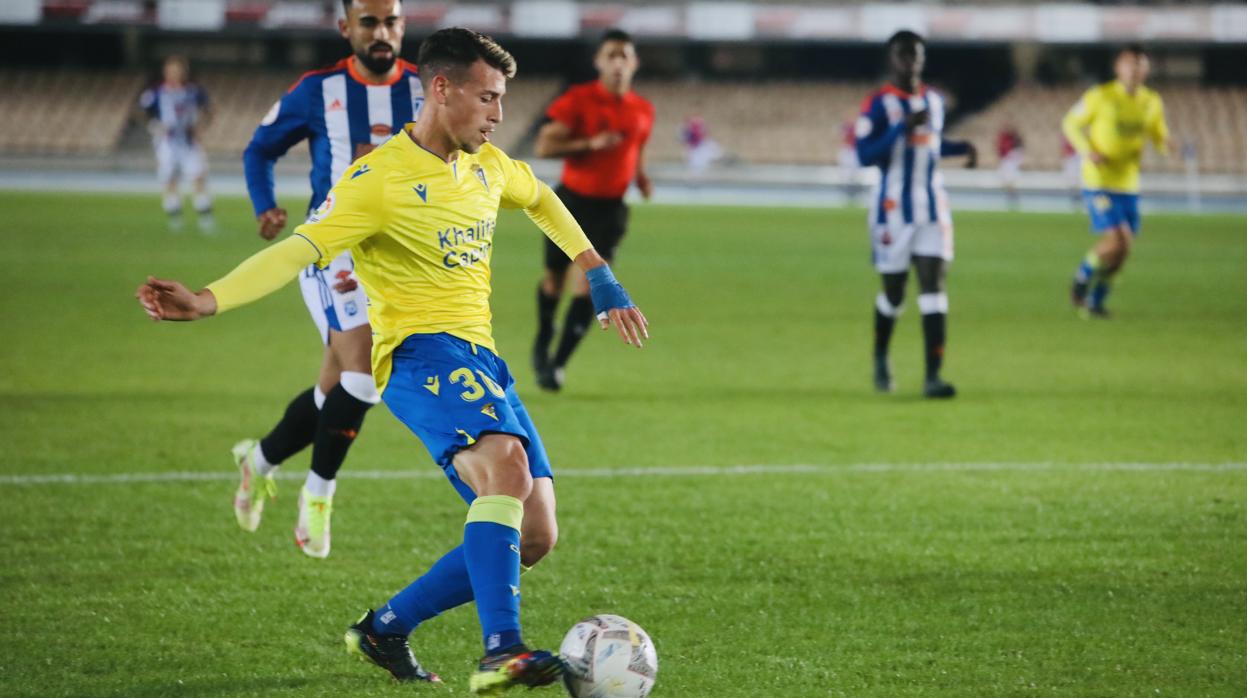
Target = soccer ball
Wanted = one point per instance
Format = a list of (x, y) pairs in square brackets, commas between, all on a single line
[(609, 657)]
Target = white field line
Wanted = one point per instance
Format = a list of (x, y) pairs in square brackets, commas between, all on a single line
[(637, 472)]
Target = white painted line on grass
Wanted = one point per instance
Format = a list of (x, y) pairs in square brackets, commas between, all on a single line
[(635, 472)]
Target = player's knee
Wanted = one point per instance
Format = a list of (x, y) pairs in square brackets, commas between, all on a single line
[(360, 386), (888, 307), (536, 544)]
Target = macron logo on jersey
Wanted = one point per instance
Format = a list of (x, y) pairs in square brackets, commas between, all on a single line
[(363, 169), (423, 191)]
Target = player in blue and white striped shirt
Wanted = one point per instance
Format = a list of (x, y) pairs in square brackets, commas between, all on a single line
[(177, 109), (900, 131), (343, 112)]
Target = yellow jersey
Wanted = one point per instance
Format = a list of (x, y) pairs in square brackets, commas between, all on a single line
[(421, 231), (1116, 124)]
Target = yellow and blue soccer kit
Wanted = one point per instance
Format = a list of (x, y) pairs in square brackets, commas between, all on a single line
[(422, 232), (1112, 121)]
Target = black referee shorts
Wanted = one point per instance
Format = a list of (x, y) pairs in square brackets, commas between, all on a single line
[(605, 221)]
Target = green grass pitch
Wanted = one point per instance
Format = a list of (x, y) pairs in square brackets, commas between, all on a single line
[(1000, 549)]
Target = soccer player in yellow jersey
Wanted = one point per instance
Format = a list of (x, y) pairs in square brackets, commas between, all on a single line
[(419, 215), (1108, 128)]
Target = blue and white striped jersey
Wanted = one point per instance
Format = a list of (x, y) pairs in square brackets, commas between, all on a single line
[(910, 188), (177, 108), (341, 115)]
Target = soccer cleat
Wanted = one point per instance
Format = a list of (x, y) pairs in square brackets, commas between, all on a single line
[(252, 489), (883, 375), (551, 378), (1098, 311), (390, 652), (312, 531), (516, 666), (937, 388), (1078, 294)]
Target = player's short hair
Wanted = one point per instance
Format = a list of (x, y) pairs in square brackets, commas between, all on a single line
[(1135, 49), (453, 50), (905, 36), (615, 34)]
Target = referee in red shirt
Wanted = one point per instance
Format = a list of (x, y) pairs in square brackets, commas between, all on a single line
[(600, 129)]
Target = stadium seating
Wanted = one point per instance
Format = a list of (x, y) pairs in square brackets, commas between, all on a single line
[(775, 122), (68, 112), (1209, 118), (85, 113)]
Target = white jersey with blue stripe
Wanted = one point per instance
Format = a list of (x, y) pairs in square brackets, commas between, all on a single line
[(176, 107), (911, 188), (341, 115)]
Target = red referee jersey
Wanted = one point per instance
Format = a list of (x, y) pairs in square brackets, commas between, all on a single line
[(589, 109)]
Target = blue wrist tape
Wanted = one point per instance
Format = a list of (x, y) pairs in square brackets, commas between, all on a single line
[(605, 291)]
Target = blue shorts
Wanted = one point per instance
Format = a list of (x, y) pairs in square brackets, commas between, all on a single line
[(450, 392), (1110, 209)]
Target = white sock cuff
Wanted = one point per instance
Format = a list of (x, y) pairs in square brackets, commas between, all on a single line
[(885, 306), (318, 486), (318, 396), (360, 386), (931, 303), (203, 202), (258, 459), (171, 202)]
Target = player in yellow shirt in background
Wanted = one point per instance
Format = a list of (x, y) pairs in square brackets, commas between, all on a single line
[(1108, 128), (419, 216)]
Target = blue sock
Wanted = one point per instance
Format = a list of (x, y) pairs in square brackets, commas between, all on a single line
[(1099, 292), (491, 549), (1090, 265), (443, 587)]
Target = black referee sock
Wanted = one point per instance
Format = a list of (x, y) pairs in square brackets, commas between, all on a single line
[(933, 336), (341, 417), (576, 325), (884, 325), (295, 431), (546, 305)]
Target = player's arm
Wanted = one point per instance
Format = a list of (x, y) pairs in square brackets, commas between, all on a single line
[(1158, 130), (206, 112), (610, 301), (543, 206), (556, 140), (1075, 124), (354, 211), (642, 177), (874, 136), (954, 149), (284, 125), (258, 276)]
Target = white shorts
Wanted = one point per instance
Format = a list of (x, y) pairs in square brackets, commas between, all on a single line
[(330, 309), (177, 159), (893, 247), (1011, 167)]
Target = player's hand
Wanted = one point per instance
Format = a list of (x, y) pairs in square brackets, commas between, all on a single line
[(272, 222), (605, 140), (170, 300), (346, 282), (972, 156), (614, 307), (915, 119), (1097, 157), (629, 322), (645, 185)]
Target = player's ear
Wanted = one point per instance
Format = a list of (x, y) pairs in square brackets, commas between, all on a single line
[(441, 88), (343, 29)]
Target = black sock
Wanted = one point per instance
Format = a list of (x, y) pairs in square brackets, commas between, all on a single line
[(340, 419), (295, 431), (575, 326), (546, 305), (933, 336), (883, 333)]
